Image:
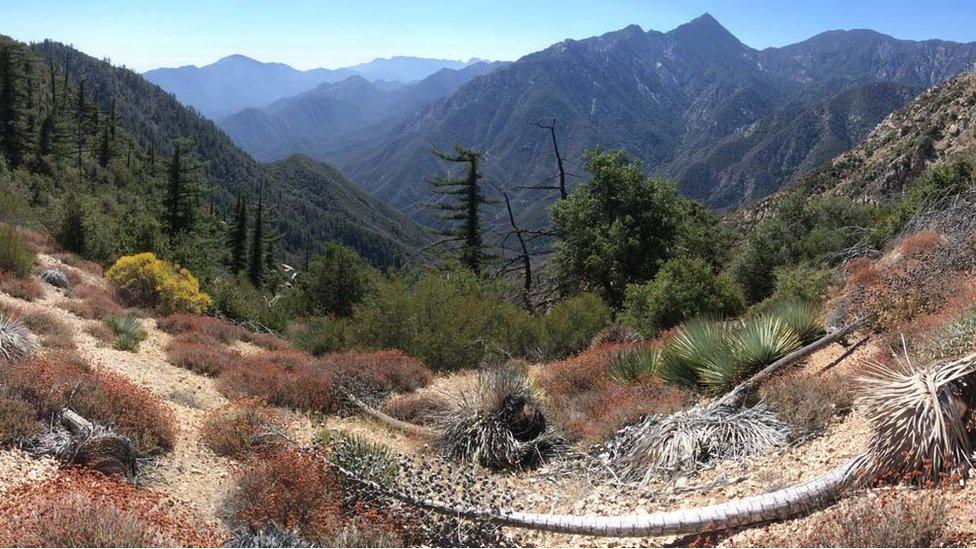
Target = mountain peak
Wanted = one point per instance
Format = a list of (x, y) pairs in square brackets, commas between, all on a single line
[(705, 28)]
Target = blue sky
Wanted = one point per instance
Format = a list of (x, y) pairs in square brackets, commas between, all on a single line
[(145, 34)]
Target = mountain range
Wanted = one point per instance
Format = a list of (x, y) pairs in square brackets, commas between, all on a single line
[(238, 82), (728, 122)]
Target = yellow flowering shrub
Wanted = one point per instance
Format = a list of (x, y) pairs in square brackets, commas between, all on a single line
[(144, 280)]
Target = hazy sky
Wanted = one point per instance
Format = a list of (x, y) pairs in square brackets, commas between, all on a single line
[(145, 34)]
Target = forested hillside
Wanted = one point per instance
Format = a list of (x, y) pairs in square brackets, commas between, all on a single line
[(303, 217)]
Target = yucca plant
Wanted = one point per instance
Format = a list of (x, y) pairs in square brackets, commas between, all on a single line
[(128, 331), (800, 315), (759, 342), (699, 346), (15, 340), (629, 364)]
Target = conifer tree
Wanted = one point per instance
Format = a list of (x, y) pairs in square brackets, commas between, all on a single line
[(238, 237), (257, 260), (464, 212), (12, 132), (182, 189)]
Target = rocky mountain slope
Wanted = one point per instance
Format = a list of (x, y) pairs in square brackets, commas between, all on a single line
[(729, 122), (311, 202), (238, 82)]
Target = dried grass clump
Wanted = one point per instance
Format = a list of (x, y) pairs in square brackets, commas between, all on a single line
[(78, 508), (287, 491), (419, 408), (91, 302), (242, 427), (501, 425), (201, 354), (291, 378), (918, 415), (15, 340), (55, 277), (27, 289), (18, 420), (808, 404), (687, 440), (182, 323), (588, 405), (371, 375), (880, 519), (52, 381)]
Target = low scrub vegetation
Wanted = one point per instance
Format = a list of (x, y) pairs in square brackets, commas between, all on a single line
[(49, 382), (182, 323), (386, 371), (201, 354), (419, 408), (52, 333), (78, 508), (143, 280), (809, 403), (291, 379), (588, 404), (91, 302), (15, 256), (18, 420), (13, 285), (242, 427)]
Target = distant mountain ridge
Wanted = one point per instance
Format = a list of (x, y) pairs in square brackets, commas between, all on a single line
[(728, 122), (237, 82)]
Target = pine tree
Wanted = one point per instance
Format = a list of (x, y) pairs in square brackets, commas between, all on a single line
[(105, 150), (12, 133), (182, 189), (465, 209), (257, 259), (238, 237)]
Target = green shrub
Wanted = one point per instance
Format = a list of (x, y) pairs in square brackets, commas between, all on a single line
[(238, 299), (570, 325), (630, 364), (323, 335), (15, 256), (449, 320), (128, 331), (803, 282), (684, 288), (336, 280)]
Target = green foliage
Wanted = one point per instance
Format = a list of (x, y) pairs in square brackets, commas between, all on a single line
[(128, 331), (335, 281), (760, 341), (923, 193), (619, 227), (630, 364), (571, 323), (812, 230), (804, 282), (684, 288), (15, 256), (801, 316), (465, 209), (237, 299), (449, 320), (319, 336), (698, 346)]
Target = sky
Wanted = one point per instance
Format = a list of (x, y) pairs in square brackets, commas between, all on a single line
[(146, 34)]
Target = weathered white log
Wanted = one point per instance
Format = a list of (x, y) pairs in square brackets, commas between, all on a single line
[(393, 422), (788, 502), (73, 422)]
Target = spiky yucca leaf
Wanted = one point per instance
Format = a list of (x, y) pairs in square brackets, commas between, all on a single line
[(629, 364), (128, 331), (800, 315), (760, 341), (699, 345), (918, 416), (15, 340)]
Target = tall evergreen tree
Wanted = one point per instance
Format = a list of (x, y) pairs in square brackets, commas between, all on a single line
[(257, 260), (238, 237), (180, 200), (464, 212), (12, 132)]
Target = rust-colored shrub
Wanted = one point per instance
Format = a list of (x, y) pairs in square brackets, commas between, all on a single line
[(181, 323), (881, 519), (240, 428), (49, 381), (389, 370), (289, 490), (92, 302), (808, 403), (588, 405), (18, 420), (284, 378), (53, 333), (268, 342), (101, 332), (79, 508), (920, 244), (416, 407), (27, 289), (38, 241), (201, 354)]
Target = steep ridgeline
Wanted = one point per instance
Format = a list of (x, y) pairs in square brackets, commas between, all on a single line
[(331, 110), (729, 122), (939, 126), (237, 82), (310, 202)]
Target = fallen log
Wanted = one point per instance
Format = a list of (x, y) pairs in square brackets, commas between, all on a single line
[(392, 422)]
